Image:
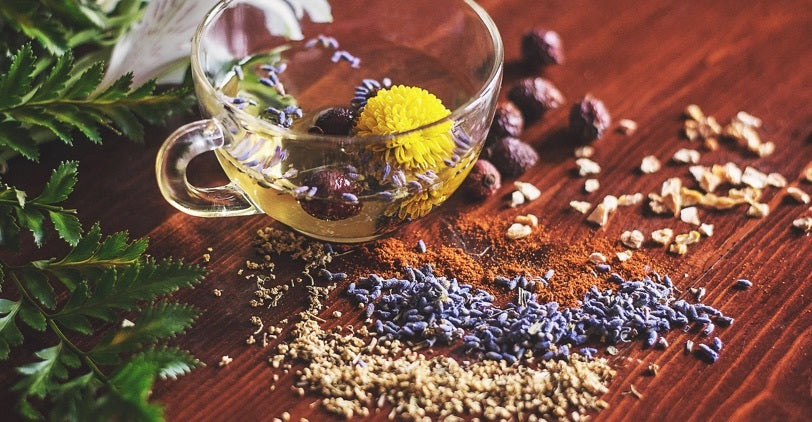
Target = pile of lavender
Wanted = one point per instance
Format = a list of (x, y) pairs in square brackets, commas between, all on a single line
[(424, 309), (421, 306)]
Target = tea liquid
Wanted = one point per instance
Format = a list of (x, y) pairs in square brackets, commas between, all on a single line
[(270, 166)]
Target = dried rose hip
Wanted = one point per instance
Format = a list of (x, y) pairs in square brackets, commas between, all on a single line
[(534, 97), (483, 180), (513, 157), (589, 119), (542, 47), (335, 195), (335, 121), (507, 121)]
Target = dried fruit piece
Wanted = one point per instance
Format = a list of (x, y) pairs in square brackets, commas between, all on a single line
[(742, 129), (542, 47), (516, 199), (690, 216), (513, 157), (334, 195), (591, 185), (597, 258), (687, 238), (629, 200), (580, 206), (600, 215), (587, 167), (662, 236), (758, 210), (589, 119), (650, 164), (507, 121), (798, 195), (701, 127), (776, 180), (335, 121), (528, 220), (584, 151), (670, 198), (632, 239), (803, 224), (678, 248), (624, 256), (529, 190), (627, 126), (534, 97), (483, 180), (518, 231), (686, 156), (754, 178)]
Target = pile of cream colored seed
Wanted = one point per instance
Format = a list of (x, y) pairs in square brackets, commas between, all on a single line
[(356, 375)]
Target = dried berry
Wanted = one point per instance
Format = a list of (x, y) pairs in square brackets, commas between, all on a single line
[(483, 180), (542, 47), (507, 121), (332, 195), (513, 157), (534, 97), (589, 119), (335, 121)]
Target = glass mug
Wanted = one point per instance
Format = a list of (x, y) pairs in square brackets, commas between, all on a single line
[(331, 187)]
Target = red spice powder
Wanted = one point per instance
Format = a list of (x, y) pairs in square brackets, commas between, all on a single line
[(475, 251)]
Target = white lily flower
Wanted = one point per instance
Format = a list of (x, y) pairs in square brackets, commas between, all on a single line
[(159, 46)]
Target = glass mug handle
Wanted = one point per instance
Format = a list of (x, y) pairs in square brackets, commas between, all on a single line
[(186, 143)]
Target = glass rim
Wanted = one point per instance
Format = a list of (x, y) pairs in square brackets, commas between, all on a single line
[(493, 78)]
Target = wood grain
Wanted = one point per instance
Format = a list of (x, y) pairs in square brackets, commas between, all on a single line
[(646, 61)]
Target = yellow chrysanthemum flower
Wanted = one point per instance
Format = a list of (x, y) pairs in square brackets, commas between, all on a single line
[(403, 108), (419, 204)]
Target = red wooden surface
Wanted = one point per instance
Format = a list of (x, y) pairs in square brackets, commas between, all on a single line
[(646, 61)]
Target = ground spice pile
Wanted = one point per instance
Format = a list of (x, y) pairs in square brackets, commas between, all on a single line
[(355, 373), (476, 251)]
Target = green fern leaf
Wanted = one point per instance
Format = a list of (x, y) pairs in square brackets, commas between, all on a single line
[(33, 221), (125, 123), (83, 85), (60, 185), (36, 117), (86, 121), (37, 375), (16, 138), (117, 90), (66, 100), (43, 376), (85, 248), (9, 230), (27, 18), (16, 211), (30, 315), (172, 361), (10, 335), (55, 83), (37, 283), (15, 82), (125, 288), (157, 321), (91, 256), (67, 225), (133, 382), (73, 399)]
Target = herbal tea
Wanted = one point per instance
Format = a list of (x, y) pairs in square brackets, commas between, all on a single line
[(343, 137), (344, 188)]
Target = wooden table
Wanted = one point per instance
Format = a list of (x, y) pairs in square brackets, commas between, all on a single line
[(646, 61)]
